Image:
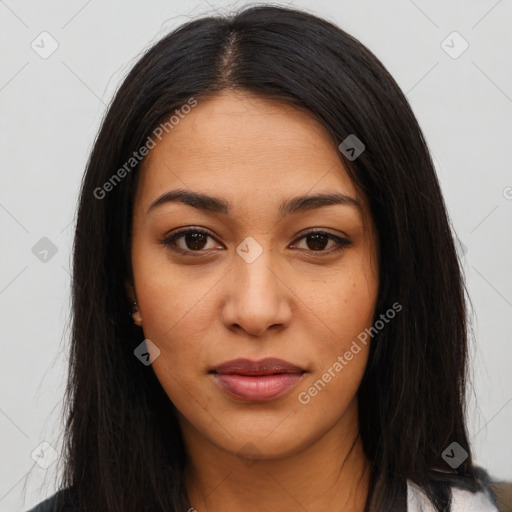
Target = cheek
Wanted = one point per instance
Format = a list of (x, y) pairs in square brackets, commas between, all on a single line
[(175, 311), (175, 321), (346, 303), (340, 360), (346, 308), (171, 297)]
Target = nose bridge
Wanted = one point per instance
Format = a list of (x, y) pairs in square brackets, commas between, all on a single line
[(258, 298), (252, 269)]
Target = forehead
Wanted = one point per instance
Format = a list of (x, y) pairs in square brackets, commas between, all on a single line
[(243, 146)]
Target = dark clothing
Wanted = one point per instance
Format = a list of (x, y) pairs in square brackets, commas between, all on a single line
[(61, 501)]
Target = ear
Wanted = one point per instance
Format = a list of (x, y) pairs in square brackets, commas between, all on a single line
[(132, 299)]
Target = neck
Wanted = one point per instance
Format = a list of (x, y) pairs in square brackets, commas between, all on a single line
[(331, 474)]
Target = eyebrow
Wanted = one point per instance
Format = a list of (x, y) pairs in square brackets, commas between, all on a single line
[(291, 206)]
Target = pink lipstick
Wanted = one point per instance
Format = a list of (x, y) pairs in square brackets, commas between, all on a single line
[(257, 381)]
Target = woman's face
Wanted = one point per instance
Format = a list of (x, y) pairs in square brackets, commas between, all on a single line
[(251, 281)]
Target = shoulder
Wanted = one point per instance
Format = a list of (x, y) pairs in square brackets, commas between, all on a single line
[(462, 500), (61, 501), (494, 497), (502, 492)]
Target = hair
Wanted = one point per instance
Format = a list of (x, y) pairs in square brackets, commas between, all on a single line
[(123, 446)]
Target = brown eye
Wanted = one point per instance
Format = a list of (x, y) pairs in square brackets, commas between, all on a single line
[(194, 240), (318, 240)]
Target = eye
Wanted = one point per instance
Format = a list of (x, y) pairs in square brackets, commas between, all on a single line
[(317, 240), (195, 240)]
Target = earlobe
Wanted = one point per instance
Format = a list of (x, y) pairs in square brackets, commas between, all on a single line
[(135, 314), (134, 308)]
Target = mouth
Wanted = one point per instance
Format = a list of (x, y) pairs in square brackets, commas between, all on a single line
[(257, 381)]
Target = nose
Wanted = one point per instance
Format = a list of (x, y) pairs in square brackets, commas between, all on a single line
[(258, 297)]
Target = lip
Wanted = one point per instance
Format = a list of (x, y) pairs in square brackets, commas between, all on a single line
[(267, 366), (257, 381)]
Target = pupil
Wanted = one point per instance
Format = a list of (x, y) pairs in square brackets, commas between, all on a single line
[(195, 240), (317, 242)]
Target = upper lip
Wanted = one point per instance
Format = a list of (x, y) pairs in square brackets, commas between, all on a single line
[(267, 366)]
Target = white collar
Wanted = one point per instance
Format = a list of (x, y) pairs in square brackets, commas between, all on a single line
[(462, 501)]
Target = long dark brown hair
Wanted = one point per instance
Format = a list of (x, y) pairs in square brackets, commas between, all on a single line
[(124, 450)]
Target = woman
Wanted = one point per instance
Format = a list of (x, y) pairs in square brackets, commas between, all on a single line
[(262, 200)]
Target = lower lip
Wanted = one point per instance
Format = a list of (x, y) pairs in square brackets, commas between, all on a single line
[(257, 388)]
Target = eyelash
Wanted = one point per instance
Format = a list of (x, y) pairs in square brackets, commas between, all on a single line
[(170, 241)]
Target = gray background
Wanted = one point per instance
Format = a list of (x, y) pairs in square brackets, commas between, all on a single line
[(51, 110)]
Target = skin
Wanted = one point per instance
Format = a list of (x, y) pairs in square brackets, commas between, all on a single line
[(302, 305)]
